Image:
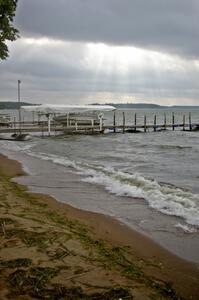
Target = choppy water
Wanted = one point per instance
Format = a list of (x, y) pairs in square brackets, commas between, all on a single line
[(161, 167)]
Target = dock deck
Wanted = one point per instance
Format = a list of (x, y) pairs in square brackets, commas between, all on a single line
[(42, 128)]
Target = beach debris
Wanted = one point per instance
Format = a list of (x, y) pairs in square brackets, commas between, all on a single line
[(3, 228), (15, 263)]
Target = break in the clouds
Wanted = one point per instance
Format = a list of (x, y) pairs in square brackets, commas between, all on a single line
[(83, 51)]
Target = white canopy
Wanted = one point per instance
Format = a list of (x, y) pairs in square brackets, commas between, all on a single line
[(64, 109)]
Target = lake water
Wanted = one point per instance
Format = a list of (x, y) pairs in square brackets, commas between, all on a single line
[(150, 181)]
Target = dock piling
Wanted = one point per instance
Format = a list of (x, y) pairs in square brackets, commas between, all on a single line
[(123, 127), (144, 123), (154, 123), (114, 122), (165, 121), (190, 125), (135, 121), (15, 131), (183, 123), (173, 121)]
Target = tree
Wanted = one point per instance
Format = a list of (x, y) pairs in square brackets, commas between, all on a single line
[(7, 30)]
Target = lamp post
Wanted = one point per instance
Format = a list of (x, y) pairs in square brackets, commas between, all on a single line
[(19, 105)]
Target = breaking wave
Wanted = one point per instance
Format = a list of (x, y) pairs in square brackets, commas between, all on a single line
[(165, 198)]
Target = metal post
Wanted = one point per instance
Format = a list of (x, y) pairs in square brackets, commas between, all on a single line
[(19, 105), (15, 125), (114, 122)]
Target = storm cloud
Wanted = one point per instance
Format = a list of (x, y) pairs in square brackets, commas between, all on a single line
[(85, 51), (161, 25)]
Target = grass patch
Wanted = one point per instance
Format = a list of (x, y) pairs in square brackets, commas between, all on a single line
[(112, 294), (21, 191), (7, 221), (61, 253), (2, 197), (163, 288), (32, 238), (27, 216), (59, 220), (15, 263), (35, 283), (32, 282), (34, 201), (111, 257), (79, 270)]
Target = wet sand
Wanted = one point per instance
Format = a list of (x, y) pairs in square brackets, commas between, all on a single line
[(153, 262)]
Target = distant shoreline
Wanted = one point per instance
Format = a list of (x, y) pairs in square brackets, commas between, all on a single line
[(15, 105), (148, 106)]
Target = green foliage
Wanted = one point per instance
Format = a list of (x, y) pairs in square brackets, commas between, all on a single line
[(7, 30)]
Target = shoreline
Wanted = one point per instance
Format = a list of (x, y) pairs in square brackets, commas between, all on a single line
[(70, 188), (184, 275)]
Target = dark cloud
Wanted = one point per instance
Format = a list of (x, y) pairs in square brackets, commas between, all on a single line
[(163, 25), (56, 63)]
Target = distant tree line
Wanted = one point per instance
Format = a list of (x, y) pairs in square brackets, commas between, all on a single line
[(132, 105), (145, 105), (12, 105)]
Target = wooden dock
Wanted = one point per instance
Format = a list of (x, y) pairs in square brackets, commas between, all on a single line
[(43, 128)]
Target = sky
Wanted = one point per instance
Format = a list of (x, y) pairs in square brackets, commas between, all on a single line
[(91, 51)]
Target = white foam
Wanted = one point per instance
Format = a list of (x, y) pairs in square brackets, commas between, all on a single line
[(185, 228), (164, 198), (168, 200)]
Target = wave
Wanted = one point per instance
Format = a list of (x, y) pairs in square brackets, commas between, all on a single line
[(178, 147), (165, 198), (17, 147), (185, 228)]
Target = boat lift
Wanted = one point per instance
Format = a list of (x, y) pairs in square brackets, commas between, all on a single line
[(52, 111)]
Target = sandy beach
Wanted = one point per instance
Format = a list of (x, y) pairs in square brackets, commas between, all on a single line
[(50, 250)]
